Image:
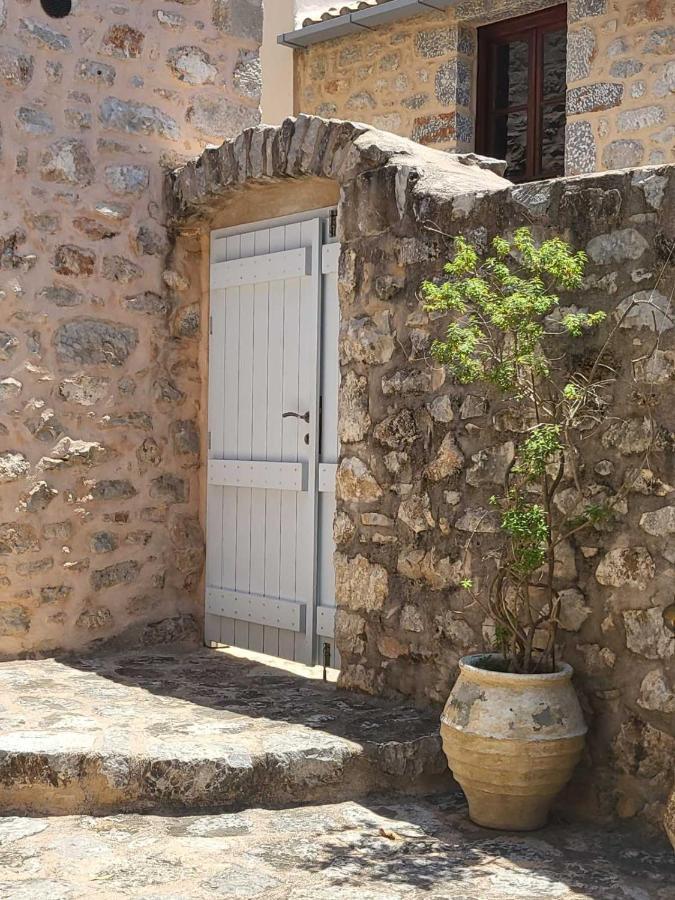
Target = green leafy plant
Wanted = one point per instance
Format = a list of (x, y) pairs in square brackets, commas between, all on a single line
[(507, 331)]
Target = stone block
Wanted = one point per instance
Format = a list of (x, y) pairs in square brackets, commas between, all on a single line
[(434, 42), (193, 65), (34, 121), (95, 342), (123, 42), (67, 160), (360, 584), (584, 9), (112, 489), (95, 72), (72, 260), (132, 117), (355, 483), (13, 466), (581, 51), (219, 117), (623, 154), (111, 576), (626, 566), (640, 118), (127, 179), (353, 416), (594, 97), (16, 68), (646, 633), (42, 36), (17, 539), (120, 269)]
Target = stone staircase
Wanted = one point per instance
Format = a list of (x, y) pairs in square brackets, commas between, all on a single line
[(190, 730), (183, 774)]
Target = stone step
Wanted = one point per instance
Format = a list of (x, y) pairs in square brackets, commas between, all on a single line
[(187, 730), (383, 848)]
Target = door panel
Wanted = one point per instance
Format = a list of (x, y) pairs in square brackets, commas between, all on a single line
[(262, 505), (329, 449)]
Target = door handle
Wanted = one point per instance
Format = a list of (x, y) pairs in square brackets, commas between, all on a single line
[(294, 415)]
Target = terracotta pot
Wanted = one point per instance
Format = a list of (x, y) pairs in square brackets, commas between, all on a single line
[(512, 741)]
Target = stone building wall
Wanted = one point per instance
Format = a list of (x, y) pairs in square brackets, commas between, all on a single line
[(420, 456), (417, 78), (99, 417), (621, 85)]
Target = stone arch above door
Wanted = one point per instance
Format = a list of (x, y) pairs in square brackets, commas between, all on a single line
[(308, 146)]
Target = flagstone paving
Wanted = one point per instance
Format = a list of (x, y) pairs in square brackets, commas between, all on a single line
[(193, 729), (385, 849)]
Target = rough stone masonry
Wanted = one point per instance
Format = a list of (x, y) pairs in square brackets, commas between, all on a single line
[(421, 456), (418, 77), (99, 419)]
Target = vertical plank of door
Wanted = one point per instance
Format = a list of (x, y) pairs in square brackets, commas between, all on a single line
[(330, 374), (259, 438), (275, 375), (310, 338), (214, 493), (230, 402), (289, 437), (244, 436)]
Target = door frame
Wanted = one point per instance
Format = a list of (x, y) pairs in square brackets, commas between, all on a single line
[(312, 639)]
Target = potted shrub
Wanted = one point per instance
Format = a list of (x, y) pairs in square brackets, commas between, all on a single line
[(513, 729)]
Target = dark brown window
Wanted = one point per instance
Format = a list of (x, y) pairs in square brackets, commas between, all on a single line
[(521, 93)]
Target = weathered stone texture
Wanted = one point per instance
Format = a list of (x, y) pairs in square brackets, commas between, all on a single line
[(414, 78), (425, 455), (617, 102), (95, 109)]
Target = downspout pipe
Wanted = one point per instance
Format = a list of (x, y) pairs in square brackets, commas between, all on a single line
[(362, 20)]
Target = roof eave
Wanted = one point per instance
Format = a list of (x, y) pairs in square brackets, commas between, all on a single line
[(356, 22)]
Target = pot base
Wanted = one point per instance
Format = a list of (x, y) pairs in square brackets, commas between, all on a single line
[(510, 785), (504, 812)]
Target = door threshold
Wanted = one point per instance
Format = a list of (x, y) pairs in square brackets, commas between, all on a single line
[(314, 673)]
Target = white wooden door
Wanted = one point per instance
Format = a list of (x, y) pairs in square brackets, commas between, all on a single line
[(266, 552)]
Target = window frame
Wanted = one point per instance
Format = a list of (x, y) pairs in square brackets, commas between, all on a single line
[(531, 28)]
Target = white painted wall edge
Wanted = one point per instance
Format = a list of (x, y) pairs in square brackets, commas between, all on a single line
[(277, 64)]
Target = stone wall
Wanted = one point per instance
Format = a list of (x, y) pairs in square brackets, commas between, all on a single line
[(99, 415), (621, 84), (421, 456), (417, 78)]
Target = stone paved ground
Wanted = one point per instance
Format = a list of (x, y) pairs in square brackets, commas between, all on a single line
[(383, 850), (189, 729)]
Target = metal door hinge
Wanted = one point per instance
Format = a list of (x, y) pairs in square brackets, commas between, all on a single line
[(209, 440), (210, 324), (332, 223)]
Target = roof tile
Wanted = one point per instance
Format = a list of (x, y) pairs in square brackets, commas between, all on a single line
[(335, 11)]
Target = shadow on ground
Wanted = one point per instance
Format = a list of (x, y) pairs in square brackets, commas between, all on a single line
[(240, 687), (384, 848)]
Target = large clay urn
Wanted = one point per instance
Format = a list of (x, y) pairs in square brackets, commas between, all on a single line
[(512, 741)]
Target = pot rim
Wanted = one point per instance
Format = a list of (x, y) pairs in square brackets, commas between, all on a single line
[(564, 671)]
